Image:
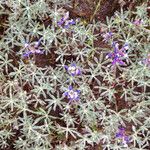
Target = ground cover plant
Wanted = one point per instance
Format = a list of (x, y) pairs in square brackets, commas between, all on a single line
[(74, 75)]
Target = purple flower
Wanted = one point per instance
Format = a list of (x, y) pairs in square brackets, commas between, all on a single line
[(69, 22), (137, 22), (27, 54), (32, 49), (26, 45), (64, 21), (115, 45), (126, 139), (39, 51), (72, 94), (37, 43), (60, 23), (107, 36), (146, 61), (121, 135), (125, 46), (73, 70), (118, 54)]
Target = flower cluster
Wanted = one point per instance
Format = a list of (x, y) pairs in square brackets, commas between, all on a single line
[(138, 22), (32, 49), (73, 70), (118, 54), (64, 21), (72, 94), (146, 61), (122, 137), (107, 36)]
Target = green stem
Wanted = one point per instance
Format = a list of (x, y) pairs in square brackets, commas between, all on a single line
[(96, 9)]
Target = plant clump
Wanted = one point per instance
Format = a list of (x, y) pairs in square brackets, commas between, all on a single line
[(72, 83)]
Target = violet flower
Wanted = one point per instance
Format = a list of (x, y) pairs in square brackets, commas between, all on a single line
[(63, 19), (107, 36), (137, 22), (32, 49), (118, 54), (72, 94), (73, 69), (27, 54), (69, 22), (146, 61), (64, 22), (121, 135), (60, 23)]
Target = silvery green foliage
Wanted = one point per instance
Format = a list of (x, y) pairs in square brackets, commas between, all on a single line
[(34, 112)]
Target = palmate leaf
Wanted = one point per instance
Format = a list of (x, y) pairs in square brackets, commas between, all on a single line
[(68, 131), (55, 101)]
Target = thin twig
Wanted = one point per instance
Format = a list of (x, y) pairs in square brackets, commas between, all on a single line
[(96, 9)]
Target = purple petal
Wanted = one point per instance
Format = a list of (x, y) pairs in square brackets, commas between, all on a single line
[(66, 67), (73, 65), (121, 62), (78, 91), (39, 52), (61, 22), (66, 16), (116, 46), (122, 129), (119, 135), (78, 71), (126, 46), (70, 87), (66, 26), (26, 45), (114, 62), (65, 94), (110, 33), (109, 55), (27, 53), (72, 22), (127, 139), (73, 74)]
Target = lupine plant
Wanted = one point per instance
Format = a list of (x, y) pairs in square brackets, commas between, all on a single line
[(70, 85)]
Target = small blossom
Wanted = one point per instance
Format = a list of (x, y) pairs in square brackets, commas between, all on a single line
[(146, 61), (32, 49), (138, 22), (107, 36), (66, 16), (69, 22), (73, 70), (72, 94), (121, 136), (64, 21), (39, 51), (27, 54), (26, 45), (118, 54), (60, 23), (37, 43), (120, 133)]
